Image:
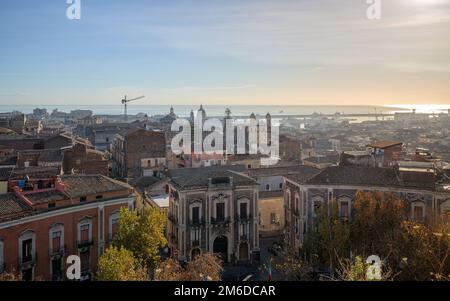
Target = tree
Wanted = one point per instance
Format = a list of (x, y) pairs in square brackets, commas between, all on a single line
[(5, 276), (291, 267), (379, 226), (206, 266), (142, 234), (357, 270), (118, 264), (376, 223), (330, 240), (423, 253), (169, 270)]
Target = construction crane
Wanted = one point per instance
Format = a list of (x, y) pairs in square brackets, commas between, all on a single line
[(125, 101)]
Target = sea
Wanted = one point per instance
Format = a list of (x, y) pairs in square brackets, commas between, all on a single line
[(236, 110)]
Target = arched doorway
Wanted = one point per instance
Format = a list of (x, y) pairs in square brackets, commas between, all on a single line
[(243, 251), (194, 253), (220, 247)]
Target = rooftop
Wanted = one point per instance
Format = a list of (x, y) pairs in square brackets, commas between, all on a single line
[(192, 178), (279, 171), (82, 185), (11, 206), (385, 144), (374, 176)]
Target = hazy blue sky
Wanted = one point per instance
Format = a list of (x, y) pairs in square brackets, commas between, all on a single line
[(302, 52)]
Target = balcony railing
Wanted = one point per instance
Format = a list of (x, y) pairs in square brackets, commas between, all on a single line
[(197, 223), (85, 243), (220, 222), (28, 261), (195, 243), (244, 218), (57, 251)]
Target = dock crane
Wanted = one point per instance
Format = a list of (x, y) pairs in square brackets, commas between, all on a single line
[(125, 101)]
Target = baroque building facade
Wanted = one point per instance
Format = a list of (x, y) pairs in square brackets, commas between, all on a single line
[(213, 209), (426, 195)]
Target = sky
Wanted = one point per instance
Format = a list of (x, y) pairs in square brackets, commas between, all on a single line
[(225, 52)]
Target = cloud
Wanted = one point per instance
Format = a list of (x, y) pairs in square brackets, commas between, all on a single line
[(306, 33)]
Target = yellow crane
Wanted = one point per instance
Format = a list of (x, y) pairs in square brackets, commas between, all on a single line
[(125, 101)]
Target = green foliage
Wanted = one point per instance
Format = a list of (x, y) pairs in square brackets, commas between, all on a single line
[(118, 264), (142, 234)]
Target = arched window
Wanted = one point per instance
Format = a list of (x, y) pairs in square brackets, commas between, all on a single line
[(297, 203), (114, 219), (195, 213), (288, 199), (344, 206), (85, 231), (27, 247), (56, 239)]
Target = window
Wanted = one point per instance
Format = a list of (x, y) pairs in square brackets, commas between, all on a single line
[(83, 199), (56, 269), (114, 220), (195, 237), (84, 230), (27, 248), (98, 197), (418, 212), (85, 261), (220, 212), (281, 186), (56, 240), (243, 210), (267, 187), (297, 203), (273, 218), (52, 205), (195, 215), (343, 210)]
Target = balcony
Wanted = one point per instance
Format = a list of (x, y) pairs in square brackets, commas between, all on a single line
[(85, 243), (28, 261), (197, 223), (243, 219), (220, 222), (59, 251)]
